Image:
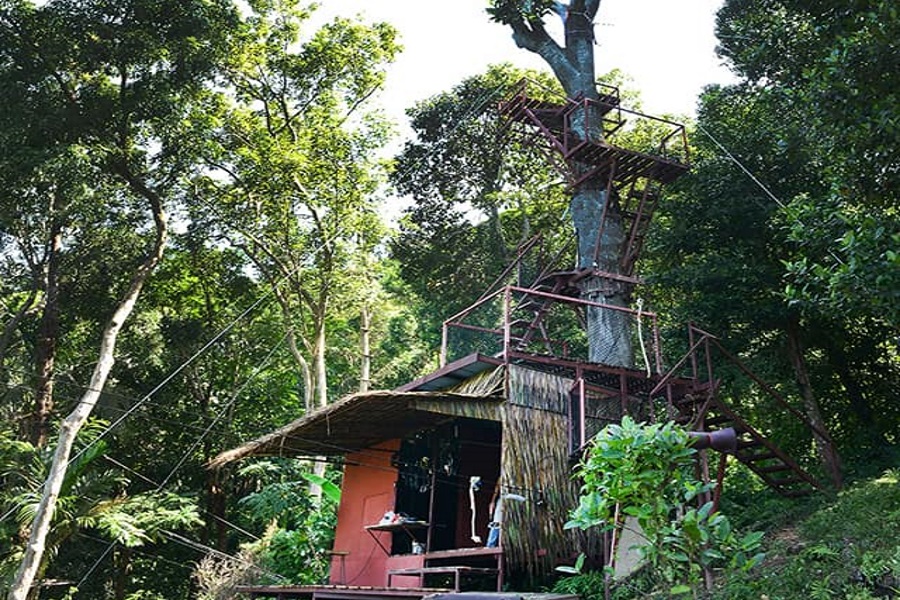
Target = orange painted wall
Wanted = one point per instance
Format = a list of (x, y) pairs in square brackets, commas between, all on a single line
[(367, 493)]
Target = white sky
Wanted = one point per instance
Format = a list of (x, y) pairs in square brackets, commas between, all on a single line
[(666, 47)]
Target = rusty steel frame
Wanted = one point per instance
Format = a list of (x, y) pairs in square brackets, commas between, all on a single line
[(579, 158), (456, 321)]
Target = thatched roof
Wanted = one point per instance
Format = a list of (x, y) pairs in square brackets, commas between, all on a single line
[(355, 422)]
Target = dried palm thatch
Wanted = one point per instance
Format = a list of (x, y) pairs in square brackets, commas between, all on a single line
[(485, 385), (536, 466), (355, 422)]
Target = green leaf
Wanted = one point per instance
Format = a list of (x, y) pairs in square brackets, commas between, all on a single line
[(331, 491)]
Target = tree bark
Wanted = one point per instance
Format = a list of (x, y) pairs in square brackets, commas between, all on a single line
[(365, 352), (40, 526), (859, 403), (824, 445), (28, 307), (45, 351), (123, 572), (319, 358), (608, 330)]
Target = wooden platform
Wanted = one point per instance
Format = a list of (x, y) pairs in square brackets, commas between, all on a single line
[(338, 592), (456, 570)]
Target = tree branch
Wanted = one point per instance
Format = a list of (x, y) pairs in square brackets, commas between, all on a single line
[(532, 36)]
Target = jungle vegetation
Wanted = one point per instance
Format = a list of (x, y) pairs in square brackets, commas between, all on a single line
[(193, 252)]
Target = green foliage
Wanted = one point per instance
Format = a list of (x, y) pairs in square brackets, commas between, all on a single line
[(512, 11), (846, 260), (830, 62), (331, 491), (847, 548), (93, 500), (300, 528), (587, 586), (647, 472)]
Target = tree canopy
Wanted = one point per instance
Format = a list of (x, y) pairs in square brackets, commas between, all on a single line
[(193, 252)]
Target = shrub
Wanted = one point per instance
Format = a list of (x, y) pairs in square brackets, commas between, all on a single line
[(647, 472)]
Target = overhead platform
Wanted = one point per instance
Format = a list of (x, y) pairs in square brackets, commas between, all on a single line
[(581, 131)]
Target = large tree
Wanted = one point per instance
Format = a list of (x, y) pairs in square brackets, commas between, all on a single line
[(291, 178), (573, 64), (802, 268), (116, 80), (836, 64), (477, 194)]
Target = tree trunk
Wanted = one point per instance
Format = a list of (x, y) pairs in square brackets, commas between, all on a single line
[(215, 506), (33, 557), (315, 490), (45, 351), (608, 330), (365, 353), (859, 404), (319, 358), (824, 444), (27, 308), (122, 562)]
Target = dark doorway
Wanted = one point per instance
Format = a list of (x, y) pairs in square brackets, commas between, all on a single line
[(435, 471)]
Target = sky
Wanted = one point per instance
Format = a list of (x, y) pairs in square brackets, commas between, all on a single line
[(666, 47)]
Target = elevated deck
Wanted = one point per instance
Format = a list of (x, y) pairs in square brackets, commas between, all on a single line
[(578, 135)]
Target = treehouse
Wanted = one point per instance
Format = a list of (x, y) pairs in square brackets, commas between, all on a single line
[(519, 393)]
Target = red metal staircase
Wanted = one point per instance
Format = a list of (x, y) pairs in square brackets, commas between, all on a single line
[(577, 137), (698, 405)]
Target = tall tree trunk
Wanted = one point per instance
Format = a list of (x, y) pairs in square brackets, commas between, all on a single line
[(608, 330), (33, 557), (859, 403), (45, 351), (122, 562), (305, 373), (215, 507), (315, 490), (319, 358), (27, 308), (365, 353), (824, 444)]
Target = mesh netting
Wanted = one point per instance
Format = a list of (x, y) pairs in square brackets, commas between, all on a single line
[(562, 328)]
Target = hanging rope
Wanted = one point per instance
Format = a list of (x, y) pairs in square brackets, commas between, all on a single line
[(640, 308), (474, 483)]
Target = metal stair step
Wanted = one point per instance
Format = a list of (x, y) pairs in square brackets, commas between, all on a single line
[(754, 457), (796, 493), (753, 443), (720, 420)]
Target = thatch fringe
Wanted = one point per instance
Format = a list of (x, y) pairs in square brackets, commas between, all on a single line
[(486, 383), (535, 460), (485, 410), (349, 424)]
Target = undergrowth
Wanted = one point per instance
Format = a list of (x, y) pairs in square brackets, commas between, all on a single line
[(845, 546)]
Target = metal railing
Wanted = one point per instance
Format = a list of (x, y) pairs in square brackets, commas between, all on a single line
[(516, 320)]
